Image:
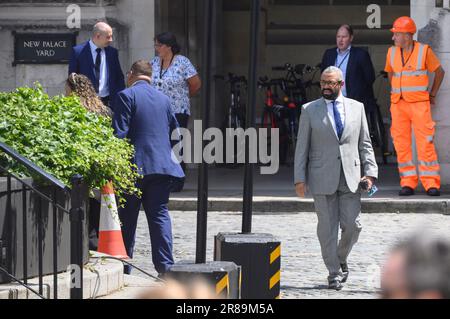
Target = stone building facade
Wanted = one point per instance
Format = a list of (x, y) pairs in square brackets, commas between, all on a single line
[(295, 31)]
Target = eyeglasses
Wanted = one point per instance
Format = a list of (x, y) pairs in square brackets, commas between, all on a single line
[(330, 83), (158, 45), (129, 72)]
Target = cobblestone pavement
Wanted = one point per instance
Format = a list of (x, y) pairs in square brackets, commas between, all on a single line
[(303, 274)]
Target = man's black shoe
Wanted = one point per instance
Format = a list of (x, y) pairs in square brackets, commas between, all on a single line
[(163, 276), (433, 192), (335, 284), (406, 191), (345, 272)]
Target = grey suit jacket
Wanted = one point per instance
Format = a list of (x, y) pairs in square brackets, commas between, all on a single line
[(319, 153)]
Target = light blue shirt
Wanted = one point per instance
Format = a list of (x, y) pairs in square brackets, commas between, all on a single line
[(341, 110), (103, 88), (342, 63)]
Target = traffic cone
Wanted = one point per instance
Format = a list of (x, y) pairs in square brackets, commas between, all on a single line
[(110, 240)]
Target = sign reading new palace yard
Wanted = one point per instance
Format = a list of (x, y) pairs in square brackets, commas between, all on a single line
[(43, 48)]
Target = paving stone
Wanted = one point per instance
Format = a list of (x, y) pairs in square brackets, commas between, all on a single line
[(303, 273)]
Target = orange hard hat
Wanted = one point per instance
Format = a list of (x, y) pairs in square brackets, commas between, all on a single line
[(404, 25)]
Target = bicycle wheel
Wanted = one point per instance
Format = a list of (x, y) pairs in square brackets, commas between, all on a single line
[(232, 122), (382, 133), (283, 139)]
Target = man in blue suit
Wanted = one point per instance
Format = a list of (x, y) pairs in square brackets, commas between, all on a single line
[(355, 64), (143, 115), (97, 60)]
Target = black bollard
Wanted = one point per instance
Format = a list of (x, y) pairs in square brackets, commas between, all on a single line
[(224, 275), (259, 255)]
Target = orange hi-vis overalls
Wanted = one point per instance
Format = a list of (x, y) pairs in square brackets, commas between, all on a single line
[(410, 104)]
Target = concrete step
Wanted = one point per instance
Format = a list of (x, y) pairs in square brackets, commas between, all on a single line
[(276, 193), (101, 277), (383, 202), (134, 288)]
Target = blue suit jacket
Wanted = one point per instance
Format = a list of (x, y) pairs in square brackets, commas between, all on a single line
[(81, 62), (360, 74), (143, 115)]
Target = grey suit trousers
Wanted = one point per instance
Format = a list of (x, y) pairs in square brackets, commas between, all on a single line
[(342, 209)]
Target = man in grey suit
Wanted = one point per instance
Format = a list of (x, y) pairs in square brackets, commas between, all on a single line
[(333, 146)]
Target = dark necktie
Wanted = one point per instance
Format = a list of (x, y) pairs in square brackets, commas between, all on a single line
[(98, 61), (337, 120)]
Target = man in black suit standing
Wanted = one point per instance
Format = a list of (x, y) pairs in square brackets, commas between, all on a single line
[(356, 66), (99, 61)]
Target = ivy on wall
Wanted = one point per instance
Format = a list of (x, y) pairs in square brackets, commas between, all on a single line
[(59, 135)]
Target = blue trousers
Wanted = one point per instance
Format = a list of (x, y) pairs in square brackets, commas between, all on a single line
[(155, 198)]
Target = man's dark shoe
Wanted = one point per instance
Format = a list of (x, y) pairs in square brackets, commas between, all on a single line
[(406, 191), (162, 276), (334, 284), (433, 192), (345, 272)]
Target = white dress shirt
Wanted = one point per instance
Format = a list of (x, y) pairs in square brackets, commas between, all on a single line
[(342, 59), (103, 88), (341, 110)]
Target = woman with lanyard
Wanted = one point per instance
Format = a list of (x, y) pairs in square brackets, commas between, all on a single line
[(175, 76)]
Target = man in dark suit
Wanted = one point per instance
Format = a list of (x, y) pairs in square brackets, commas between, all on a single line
[(143, 115), (97, 60), (355, 64)]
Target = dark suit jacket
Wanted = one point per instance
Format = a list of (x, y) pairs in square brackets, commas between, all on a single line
[(143, 115), (82, 62), (360, 74)]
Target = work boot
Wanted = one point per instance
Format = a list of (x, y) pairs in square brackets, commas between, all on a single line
[(433, 192), (406, 191)]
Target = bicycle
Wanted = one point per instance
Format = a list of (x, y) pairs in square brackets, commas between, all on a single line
[(376, 125), (235, 117), (272, 115), (294, 88)]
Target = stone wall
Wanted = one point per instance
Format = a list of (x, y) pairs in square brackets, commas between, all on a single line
[(132, 22), (435, 33)]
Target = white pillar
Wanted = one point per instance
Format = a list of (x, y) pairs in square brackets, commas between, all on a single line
[(441, 113), (139, 17), (421, 11)]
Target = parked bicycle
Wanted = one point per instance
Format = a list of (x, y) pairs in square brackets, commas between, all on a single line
[(235, 116), (376, 125), (284, 112), (272, 116), (294, 87)]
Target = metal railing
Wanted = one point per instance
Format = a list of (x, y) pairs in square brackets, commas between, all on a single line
[(49, 197)]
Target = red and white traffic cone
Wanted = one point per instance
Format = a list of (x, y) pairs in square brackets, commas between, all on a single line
[(110, 240)]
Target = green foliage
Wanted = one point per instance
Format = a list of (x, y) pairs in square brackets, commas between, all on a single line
[(59, 135)]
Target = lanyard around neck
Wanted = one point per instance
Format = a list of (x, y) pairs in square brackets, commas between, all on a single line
[(161, 73), (343, 60)]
